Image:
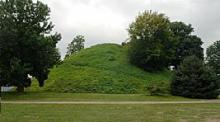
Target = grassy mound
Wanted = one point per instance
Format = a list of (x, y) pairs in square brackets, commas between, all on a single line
[(102, 69)]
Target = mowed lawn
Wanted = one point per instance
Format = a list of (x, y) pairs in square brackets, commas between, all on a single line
[(104, 113), (111, 113), (50, 96)]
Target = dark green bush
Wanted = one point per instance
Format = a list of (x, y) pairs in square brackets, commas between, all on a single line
[(195, 80)]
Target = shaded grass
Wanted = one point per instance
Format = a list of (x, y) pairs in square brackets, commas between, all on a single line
[(101, 69), (110, 113)]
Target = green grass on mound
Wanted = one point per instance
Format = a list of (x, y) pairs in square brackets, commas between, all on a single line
[(102, 69)]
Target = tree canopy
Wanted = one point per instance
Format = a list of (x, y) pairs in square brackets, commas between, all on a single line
[(213, 58), (156, 43), (76, 45), (151, 41), (27, 46), (186, 44)]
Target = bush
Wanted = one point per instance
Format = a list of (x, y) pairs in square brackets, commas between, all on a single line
[(158, 89), (195, 80)]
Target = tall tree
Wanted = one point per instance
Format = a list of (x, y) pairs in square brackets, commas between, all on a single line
[(27, 46), (151, 41), (186, 44), (76, 45), (213, 58)]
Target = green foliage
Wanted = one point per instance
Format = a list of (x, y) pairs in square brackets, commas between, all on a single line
[(151, 41), (213, 58), (26, 45), (186, 44), (101, 69), (156, 43), (76, 45), (195, 80)]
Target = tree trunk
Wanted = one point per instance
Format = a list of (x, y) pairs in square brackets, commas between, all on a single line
[(20, 88)]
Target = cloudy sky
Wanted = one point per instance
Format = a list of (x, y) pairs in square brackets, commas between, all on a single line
[(106, 21)]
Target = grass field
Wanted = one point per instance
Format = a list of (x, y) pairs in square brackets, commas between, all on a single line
[(111, 113), (43, 96), (104, 113)]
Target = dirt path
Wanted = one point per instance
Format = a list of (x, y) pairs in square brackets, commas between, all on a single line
[(111, 102)]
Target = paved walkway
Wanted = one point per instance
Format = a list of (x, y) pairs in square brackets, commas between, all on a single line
[(112, 102)]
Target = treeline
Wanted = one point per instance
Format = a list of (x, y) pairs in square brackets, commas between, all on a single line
[(156, 43)]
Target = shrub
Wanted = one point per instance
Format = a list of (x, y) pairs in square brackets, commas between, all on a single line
[(158, 89), (195, 80)]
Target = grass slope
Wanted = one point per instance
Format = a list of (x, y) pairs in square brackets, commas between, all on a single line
[(101, 69)]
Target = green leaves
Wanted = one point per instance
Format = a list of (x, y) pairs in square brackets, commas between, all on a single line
[(185, 43), (213, 58), (76, 45), (195, 80), (25, 35), (156, 43), (150, 41)]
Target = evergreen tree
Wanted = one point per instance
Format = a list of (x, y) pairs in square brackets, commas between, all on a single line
[(195, 80)]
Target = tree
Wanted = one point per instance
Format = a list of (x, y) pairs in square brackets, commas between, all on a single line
[(76, 45), (194, 79), (27, 46), (213, 58), (186, 44), (151, 41)]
